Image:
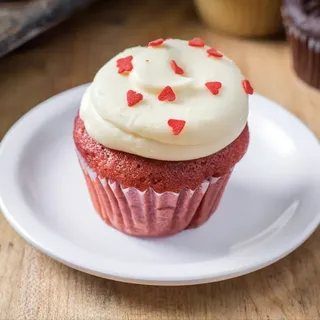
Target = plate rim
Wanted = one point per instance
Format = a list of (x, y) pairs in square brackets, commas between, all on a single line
[(152, 278)]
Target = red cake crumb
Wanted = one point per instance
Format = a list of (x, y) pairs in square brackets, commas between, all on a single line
[(139, 172)]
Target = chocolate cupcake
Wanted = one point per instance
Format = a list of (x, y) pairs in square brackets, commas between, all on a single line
[(302, 22), (158, 135)]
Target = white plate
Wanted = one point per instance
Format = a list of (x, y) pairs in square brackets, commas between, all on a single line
[(270, 207)]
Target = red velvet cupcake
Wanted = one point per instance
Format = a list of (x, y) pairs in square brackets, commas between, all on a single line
[(159, 132)]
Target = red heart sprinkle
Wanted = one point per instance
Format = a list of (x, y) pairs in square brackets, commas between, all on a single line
[(214, 87), (167, 94), (176, 68), (247, 86), (176, 125), (196, 42), (156, 43), (214, 53), (133, 98), (125, 64)]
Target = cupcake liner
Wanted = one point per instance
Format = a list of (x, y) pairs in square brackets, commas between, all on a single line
[(148, 213), (305, 54), (242, 18)]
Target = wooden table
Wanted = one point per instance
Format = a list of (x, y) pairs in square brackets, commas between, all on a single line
[(33, 286)]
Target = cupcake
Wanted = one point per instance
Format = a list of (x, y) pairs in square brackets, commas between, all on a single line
[(158, 134), (302, 23), (241, 18)]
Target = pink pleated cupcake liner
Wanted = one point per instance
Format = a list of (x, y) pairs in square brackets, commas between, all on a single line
[(151, 214)]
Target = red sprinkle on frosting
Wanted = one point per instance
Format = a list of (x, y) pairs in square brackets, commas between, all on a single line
[(213, 52), (196, 42), (133, 98), (167, 94), (214, 87), (156, 43), (176, 68), (125, 64), (247, 87), (176, 126)]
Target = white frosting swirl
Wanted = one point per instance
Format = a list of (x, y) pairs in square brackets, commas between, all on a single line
[(212, 121)]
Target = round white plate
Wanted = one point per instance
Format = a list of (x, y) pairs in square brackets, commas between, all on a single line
[(270, 206)]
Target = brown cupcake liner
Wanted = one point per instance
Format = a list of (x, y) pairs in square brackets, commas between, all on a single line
[(242, 18), (151, 214), (305, 55)]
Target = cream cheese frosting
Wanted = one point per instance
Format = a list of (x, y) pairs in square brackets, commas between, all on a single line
[(212, 121)]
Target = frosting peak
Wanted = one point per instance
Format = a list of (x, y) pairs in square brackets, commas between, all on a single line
[(152, 70), (208, 98)]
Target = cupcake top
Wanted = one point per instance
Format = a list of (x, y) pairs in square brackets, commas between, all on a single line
[(171, 100), (304, 15)]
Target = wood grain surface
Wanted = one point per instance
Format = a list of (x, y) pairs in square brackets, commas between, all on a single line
[(33, 286)]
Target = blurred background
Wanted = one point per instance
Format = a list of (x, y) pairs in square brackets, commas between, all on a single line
[(47, 46)]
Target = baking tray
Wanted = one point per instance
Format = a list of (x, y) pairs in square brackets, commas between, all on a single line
[(21, 21)]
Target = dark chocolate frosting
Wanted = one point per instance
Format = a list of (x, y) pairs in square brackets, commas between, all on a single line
[(304, 15), (311, 7)]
